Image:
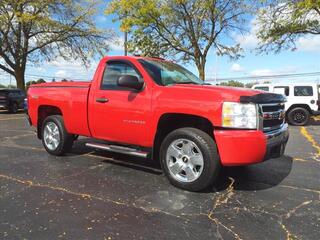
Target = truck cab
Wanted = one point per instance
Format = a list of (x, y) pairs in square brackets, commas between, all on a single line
[(303, 100)]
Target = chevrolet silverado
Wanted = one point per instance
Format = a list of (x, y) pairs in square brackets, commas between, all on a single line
[(156, 109)]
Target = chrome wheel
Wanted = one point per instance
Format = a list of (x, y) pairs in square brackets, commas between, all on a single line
[(299, 116), (184, 160), (51, 136)]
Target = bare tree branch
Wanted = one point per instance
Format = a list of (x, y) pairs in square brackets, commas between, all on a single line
[(4, 68)]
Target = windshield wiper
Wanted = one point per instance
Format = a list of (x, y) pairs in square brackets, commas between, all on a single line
[(188, 83)]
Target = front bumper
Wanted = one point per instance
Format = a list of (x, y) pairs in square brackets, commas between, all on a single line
[(3, 106), (244, 147), (276, 142)]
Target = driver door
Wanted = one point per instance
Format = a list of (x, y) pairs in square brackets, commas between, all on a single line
[(120, 114)]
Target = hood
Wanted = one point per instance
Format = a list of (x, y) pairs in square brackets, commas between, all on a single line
[(226, 93)]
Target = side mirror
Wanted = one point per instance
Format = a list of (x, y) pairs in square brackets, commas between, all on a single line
[(130, 81)]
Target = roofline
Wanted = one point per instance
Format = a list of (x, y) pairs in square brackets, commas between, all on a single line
[(133, 57)]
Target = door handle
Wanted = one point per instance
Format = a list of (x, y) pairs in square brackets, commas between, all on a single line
[(102, 100)]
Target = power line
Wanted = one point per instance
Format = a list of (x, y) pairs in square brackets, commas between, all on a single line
[(263, 77), (55, 77), (292, 75), (50, 77)]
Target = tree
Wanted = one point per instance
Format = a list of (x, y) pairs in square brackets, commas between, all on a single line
[(281, 23), (33, 30), (232, 83), (147, 45), (41, 80), (184, 29), (250, 85), (28, 84)]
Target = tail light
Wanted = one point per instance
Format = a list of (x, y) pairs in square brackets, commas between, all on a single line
[(25, 104)]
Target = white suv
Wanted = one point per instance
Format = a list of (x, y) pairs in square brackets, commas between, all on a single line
[(303, 100)]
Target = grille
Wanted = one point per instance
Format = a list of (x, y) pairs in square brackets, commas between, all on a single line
[(272, 116), (272, 108)]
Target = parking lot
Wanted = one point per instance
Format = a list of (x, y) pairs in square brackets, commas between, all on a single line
[(97, 195)]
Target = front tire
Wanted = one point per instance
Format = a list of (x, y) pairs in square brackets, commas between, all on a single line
[(13, 108), (298, 116), (190, 159), (55, 138)]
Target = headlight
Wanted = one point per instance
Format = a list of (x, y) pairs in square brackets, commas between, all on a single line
[(239, 115)]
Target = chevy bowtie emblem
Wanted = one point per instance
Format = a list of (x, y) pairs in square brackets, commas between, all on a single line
[(280, 115)]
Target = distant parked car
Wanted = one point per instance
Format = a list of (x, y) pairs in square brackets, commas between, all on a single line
[(303, 100), (12, 99)]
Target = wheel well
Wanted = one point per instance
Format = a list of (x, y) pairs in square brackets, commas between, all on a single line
[(306, 106), (43, 112), (172, 121), (11, 102)]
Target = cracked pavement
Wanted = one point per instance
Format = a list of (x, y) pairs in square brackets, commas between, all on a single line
[(97, 195)]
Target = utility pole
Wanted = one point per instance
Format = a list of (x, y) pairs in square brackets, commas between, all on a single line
[(125, 43), (10, 81), (216, 72)]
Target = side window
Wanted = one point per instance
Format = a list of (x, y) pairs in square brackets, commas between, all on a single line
[(303, 91), (282, 90), (113, 71), (262, 88)]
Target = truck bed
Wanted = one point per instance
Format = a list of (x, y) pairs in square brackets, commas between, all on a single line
[(71, 98)]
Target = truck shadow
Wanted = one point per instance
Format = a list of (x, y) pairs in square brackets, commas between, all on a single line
[(246, 178), (255, 177), (5, 112), (315, 121)]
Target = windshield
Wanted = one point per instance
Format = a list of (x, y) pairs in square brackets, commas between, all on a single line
[(262, 88), (167, 73)]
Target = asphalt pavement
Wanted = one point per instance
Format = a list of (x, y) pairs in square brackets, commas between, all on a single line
[(97, 195)]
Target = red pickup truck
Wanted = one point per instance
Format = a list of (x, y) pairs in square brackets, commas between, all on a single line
[(153, 108)]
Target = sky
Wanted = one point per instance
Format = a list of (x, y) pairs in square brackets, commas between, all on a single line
[(304, 59)]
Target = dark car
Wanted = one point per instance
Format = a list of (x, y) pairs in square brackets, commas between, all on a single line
[(12, 99)]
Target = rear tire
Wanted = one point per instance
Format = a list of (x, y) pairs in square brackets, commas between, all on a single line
[(298, 116), (55, 138), (190, 159)]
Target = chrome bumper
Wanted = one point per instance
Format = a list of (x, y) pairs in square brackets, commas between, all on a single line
[(276, 142), (2, 106)]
